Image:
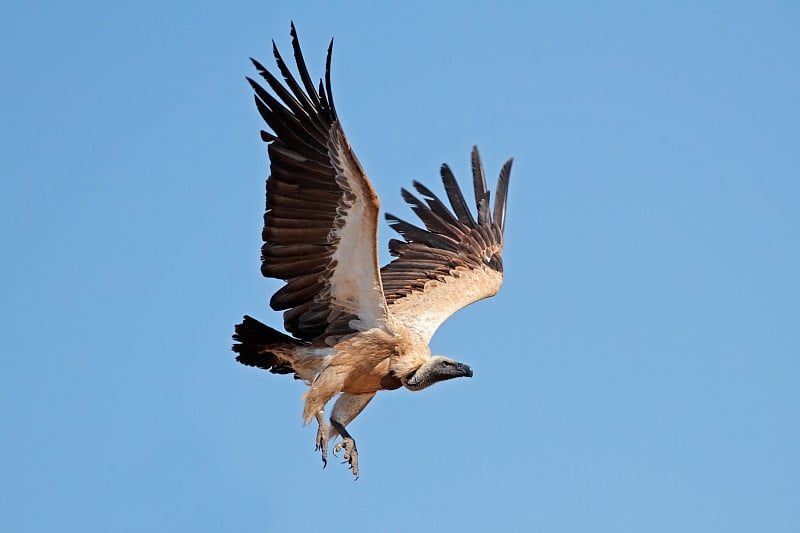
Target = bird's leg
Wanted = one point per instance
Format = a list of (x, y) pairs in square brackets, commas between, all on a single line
[(322, 437), (346, 408), (348, 444)]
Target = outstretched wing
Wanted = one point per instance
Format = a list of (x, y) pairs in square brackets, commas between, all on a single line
[(454, 261), (320, 225)]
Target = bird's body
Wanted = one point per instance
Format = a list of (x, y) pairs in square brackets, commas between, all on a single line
[(356, 328)]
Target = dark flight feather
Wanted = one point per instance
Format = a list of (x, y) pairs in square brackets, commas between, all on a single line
[(450, 239)]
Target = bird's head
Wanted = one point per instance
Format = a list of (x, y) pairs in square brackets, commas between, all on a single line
[(437, 368)]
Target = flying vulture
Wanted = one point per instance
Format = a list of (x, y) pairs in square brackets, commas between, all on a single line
[(357, 328)]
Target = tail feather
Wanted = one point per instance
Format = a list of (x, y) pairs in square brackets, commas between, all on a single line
[(254, 342)]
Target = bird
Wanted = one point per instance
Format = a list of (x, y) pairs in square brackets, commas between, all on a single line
[(354, 328)]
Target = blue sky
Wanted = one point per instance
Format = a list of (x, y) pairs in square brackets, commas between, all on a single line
[(638, 371)]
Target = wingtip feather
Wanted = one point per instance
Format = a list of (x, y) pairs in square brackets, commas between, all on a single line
[(328, 80), (501, 195), (456, 197), (482, 194)]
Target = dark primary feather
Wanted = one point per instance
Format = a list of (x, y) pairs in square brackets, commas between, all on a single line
[(303, 70), (414, 233), (456, 197), (481, 191), (328, 78), (450, 239), (304, 197), (501, 195), (432, 220), (436, 205)]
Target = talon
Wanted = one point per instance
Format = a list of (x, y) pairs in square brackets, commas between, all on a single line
[(321, 443), (350, 454), (324, 448), (348, 445)]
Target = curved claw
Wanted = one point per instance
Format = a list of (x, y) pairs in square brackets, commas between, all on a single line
[(321, 442), (350, 453)]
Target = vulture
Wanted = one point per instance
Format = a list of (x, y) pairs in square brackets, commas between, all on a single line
[(356, 328)]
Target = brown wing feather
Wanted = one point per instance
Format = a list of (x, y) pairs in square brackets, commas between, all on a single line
[(320, 224), (454, 260)]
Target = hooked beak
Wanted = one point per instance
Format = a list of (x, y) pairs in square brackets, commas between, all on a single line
[(466, 369)]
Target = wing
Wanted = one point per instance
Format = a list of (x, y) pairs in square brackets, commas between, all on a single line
[(454, 261), (321, 221)]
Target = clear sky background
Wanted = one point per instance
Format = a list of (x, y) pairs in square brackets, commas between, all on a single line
[(637, 373)]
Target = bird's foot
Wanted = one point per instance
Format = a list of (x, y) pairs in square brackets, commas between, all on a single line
[(321, 442), (350, 453)]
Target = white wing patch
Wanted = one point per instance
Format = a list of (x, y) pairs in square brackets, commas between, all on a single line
[(424, 311), (355, 282)]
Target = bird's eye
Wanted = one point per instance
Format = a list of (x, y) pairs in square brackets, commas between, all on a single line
[(447, 363)]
